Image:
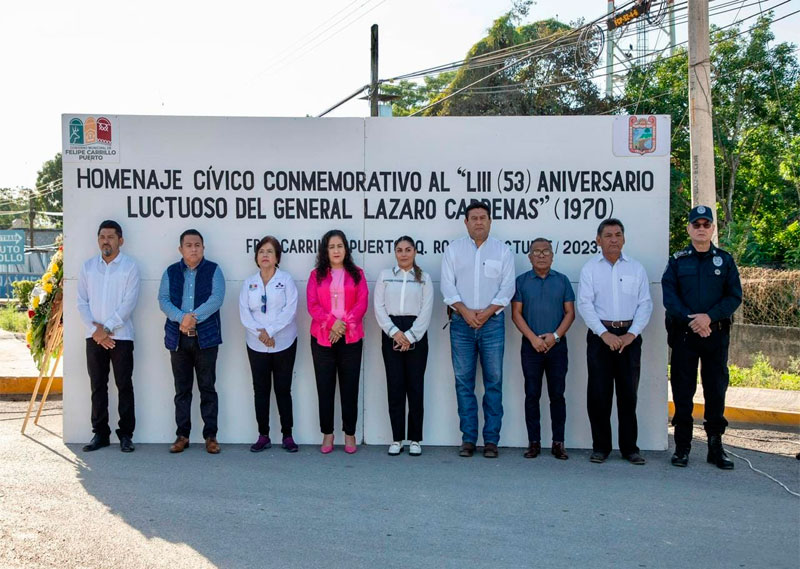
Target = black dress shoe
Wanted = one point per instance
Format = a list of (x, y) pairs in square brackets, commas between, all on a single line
[(680, 458), (466, 450), (598, 457), (98, 441), (635, 458), (533, 450), (126, 444)]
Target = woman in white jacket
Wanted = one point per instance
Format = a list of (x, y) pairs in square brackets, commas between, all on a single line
[(267, 309)]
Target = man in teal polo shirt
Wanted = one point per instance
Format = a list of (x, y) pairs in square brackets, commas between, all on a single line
[(543, 309)]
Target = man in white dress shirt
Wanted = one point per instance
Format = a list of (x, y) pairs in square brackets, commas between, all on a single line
[(614, 301), (477, 284), (108, 288)]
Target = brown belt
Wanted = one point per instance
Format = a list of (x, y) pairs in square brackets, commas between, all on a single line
[(616, 323)]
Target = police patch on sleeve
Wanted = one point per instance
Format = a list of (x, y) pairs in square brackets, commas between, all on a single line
[(717, 260)]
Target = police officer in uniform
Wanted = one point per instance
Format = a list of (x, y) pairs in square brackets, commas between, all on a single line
[(701, 292)]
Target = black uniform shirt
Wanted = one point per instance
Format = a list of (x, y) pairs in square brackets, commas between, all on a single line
[(701, 283)]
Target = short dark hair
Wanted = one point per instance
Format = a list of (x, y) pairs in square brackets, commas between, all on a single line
[(477, 205), (609, 222), (542, 240), (191, 232), (269, 239), (110, 224)]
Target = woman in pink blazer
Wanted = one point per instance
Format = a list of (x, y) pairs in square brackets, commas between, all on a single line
[(337, 298)]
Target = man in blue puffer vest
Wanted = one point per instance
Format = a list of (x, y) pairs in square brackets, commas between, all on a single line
[(190, 295)]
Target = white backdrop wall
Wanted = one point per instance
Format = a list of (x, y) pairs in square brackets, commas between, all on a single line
[(429, 166)]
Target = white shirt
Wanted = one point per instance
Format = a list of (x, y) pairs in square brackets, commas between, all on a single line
[(478, 276), (107, 294), (614, 292), (397, 293), (279, 320)]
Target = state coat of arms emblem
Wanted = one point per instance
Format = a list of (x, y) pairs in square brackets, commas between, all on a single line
[(642, 134)]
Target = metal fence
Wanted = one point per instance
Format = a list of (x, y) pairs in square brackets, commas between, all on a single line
[(771, 297)]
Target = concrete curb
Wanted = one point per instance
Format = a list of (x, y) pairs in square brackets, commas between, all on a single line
[(25, 385), (745, 415)]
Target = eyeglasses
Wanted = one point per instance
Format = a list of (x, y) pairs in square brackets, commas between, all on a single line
[(541, 252), (698, 225), (264, 306)]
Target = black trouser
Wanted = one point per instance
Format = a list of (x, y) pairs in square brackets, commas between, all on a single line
[(187, 360), (687, 349), (534, 365), (608, 370), (405, 379), (264, 366), (98, 362), (344, 359)]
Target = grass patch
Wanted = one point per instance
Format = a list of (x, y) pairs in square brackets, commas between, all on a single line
[(763, 375), (12, 320)]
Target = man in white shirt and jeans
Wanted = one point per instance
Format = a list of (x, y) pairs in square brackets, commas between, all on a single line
[(108, 288), (614, 301), (478, 283)]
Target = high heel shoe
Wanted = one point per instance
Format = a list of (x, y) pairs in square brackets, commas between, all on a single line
[(326, 449), (349, 449)]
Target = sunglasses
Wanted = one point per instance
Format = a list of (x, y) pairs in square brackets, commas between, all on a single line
[(698, 225), (264, 306)]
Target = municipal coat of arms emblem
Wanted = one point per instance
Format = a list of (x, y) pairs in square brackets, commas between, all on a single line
[(642, 134)]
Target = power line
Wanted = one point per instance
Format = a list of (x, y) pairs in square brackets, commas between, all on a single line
[(511, 88)]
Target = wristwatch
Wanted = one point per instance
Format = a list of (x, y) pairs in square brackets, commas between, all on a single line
[(557, 337), (107, 330)]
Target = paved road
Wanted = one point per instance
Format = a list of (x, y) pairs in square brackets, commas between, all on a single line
[(60, 507)]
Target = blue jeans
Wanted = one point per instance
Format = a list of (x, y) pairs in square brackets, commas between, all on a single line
[(466, 344)]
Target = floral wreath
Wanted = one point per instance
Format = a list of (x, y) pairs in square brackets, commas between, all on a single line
[(46, 293)]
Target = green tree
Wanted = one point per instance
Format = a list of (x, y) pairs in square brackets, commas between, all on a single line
[(415, 96), (49, 194), (755, 97)]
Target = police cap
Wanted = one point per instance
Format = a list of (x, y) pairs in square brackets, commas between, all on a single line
[(701, 212)]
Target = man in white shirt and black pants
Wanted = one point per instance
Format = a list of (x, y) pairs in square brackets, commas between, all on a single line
[(614, 301), (108, 288), (478, 283)]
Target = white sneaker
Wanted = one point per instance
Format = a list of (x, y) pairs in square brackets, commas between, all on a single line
[(414, 449), (395, 448)]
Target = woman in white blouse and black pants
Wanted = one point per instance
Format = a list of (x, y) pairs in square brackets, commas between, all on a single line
[(403, 304), (267, 308)]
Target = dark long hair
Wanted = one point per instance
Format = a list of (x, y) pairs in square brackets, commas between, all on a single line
[(417, 270), (324, 263)]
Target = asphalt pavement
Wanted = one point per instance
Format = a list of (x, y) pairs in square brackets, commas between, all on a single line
[(61, 507)]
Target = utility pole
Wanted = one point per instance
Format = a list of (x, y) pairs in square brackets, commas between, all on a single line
[(701, 136), (373, 84), (31, 217), (610, 54)]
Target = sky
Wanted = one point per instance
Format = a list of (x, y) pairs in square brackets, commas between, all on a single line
[(237, 58)]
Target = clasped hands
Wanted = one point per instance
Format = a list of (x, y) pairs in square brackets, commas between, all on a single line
[(337, 331), (475, 318), (617, 343), (543, 342), (700, 324), (265, 338), (400, 339), (102, 337), (188, 322)]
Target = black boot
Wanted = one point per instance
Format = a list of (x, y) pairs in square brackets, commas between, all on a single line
[(716, 454)]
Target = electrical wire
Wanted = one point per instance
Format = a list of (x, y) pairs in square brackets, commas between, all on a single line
[(761, 472)]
